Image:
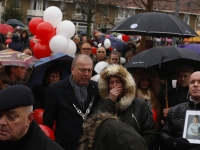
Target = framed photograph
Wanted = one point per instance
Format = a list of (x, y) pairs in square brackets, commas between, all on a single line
[(192, 126)]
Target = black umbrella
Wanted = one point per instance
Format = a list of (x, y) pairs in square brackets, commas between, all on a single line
[(14, 22), (158, 56), (165, 60), (155, 24), (64, 61)]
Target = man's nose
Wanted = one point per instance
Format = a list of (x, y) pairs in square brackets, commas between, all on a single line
[(3, 120)]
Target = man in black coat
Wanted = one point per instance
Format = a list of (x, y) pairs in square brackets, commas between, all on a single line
[(18, 131), (70, 101), (171, 134)]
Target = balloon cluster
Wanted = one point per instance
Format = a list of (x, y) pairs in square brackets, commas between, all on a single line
[(52, 34), (123, 37)]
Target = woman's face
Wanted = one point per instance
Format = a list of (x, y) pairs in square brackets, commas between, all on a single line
[(53, 77), (101, 53), (9, 35), (144, 83)]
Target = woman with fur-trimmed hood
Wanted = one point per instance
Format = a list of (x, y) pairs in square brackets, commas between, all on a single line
[(117, 89), (104, 131), (148, 88)]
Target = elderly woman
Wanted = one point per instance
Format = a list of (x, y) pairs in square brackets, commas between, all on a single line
[(117, 89), (148, 88)]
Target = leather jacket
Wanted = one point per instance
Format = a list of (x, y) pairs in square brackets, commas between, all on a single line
[(174, 124)]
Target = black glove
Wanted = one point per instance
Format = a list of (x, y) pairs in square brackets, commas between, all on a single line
[(182, 144)]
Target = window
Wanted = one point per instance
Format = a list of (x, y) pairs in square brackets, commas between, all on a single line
[(125, 12), (187, 18), (105, 11), (198, 20), (39, 4), (17, 3)]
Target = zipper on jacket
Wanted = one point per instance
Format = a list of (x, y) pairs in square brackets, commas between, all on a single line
[(136, 120)]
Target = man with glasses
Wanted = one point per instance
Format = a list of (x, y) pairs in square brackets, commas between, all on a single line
[(70, 101), (86, 48)]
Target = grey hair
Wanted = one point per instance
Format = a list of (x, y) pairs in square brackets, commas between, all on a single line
[(29, 109)]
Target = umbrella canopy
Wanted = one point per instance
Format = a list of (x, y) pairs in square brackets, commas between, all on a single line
[(4, 28), (14, 22), (155, 24), (193, 47), (159, 55), (116, 43), (15, 58), (62, 60)]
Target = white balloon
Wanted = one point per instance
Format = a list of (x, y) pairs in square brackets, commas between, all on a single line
[(96, 78), (71, 49), (122, 60), (119, 37), (58, 44), (53, 15), (99, 45), (100, 66), (107, 43), (66, 28)]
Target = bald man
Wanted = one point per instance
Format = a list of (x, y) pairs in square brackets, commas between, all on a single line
[(171, 134)]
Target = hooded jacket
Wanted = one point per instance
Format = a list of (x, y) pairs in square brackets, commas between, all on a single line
[(129, 109), (16, 44), (105, 132)]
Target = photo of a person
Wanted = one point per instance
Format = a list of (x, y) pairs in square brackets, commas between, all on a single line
[(193, 131)]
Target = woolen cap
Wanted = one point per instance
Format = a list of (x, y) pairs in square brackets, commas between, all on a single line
[(16, 96)]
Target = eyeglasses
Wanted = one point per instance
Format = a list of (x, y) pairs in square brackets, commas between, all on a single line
[(86, 49)]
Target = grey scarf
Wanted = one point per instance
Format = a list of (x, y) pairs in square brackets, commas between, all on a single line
[(80, 92)]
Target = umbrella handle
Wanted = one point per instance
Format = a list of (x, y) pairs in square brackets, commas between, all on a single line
[(166, 98)]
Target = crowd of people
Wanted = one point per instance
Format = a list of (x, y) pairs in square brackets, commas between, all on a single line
[(113, 113)]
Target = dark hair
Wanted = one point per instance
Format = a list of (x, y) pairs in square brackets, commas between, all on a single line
[(185, 68), (53, 68), (8, 70), (27, 36)]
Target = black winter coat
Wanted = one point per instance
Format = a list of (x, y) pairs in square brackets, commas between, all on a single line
[(34, 139), (138, 115), (60, 97), (174, 124)]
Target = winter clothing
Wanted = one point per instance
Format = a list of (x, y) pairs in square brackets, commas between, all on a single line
[(34, 139), (5, 79), (16, 44), (59, 107), (174, 124), (105, 132), (24, 40), (129, 109), (152, 92)]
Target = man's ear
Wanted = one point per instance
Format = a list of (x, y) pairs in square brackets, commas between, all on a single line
[(30, 118), (72, 70)]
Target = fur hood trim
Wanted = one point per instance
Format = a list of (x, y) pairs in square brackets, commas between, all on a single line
[(128, 82), (90, 127)]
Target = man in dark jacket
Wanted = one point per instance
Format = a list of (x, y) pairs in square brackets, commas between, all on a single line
[(70, 101), (18, 131), (171, 134), (117, 89), (180, 93)]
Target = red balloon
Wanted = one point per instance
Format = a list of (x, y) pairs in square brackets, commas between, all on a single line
[(154, 114), (94, 50), (110, 48), (45, 31), (38, 115), (8, 41), (34, 23), (125, 38), (41, 50), (33, 41), (48, 131)]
